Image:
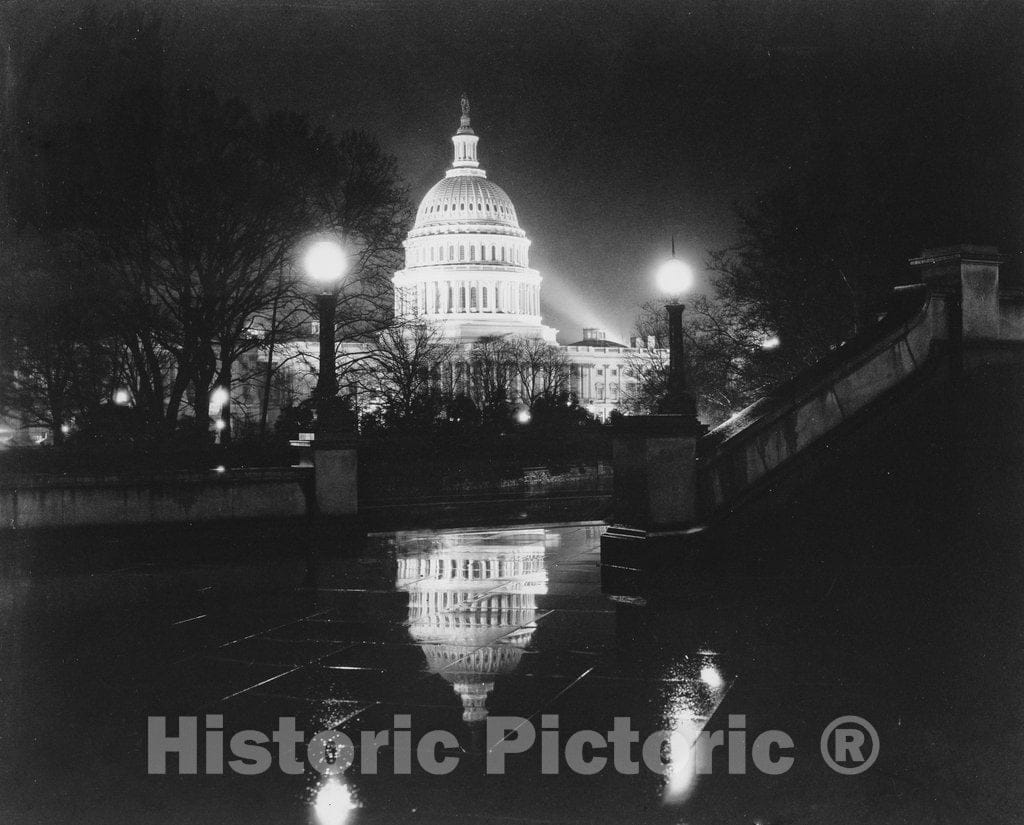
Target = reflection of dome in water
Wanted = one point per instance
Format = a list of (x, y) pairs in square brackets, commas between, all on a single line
[(471, 599)]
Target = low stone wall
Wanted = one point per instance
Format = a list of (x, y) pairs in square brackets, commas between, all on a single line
[(179, 497), (766, 435)]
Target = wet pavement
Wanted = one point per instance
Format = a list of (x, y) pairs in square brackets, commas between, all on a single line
[(454, 628), (866, 594)]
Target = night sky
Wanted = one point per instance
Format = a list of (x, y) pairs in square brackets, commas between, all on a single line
[(613, 125)]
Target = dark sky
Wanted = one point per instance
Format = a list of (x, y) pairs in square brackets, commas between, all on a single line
[(614, 124)]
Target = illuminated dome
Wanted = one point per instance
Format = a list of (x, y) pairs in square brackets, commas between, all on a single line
[(466, 199), (467, 261)]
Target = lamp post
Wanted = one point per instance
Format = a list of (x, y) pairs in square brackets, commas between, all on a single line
[(675, 278), (333, 454), (655, 491), (324, 262)]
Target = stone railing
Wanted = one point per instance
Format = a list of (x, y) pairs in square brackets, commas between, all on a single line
[(158, 498), (769, 433), (670, 478), (960, 301)]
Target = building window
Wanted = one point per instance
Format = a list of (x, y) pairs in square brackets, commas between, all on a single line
[(451, 253), (472, 297), (462, 253), (472, 253), (492, 252)]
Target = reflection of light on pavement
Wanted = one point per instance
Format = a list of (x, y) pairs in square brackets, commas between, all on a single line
[(334, 803), (699, 693), (680, 773), (710, 676)]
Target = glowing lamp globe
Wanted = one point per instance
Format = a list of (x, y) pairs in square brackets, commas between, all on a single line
[(324, 261), (675, 277)]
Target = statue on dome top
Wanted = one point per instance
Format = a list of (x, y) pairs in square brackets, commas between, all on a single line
[(465, 105)]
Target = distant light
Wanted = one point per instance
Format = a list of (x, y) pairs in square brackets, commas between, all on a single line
[(325, 261), (675, 277), (65, 428), (710, 676), (122, 397), (523, 416), (219, 424), (218, 398), (771, 342), (220, 468), (334, 803)]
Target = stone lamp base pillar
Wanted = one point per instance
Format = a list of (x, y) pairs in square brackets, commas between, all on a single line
[(655, 488), (335, 473)]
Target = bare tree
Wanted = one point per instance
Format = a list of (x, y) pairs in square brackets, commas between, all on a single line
[(193, 207), (404, 368), (725, 361), (542, 369), (57, 360), (493, 372)]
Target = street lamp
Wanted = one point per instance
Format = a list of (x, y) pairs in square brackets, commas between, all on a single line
[(325, 263), (675, 278)]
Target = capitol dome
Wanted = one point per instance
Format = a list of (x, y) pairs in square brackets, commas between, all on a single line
[(466, 199), (467, 260)]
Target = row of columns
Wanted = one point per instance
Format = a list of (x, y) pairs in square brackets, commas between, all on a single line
[(435, 254), (437, 297), (458, 376)]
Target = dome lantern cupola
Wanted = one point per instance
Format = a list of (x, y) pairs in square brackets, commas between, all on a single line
[(465, 141)]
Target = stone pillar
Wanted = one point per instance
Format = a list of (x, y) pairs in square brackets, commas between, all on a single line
[(966, 279), (654, 494), (335, 474)]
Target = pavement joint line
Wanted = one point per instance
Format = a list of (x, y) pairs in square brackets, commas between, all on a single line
[(210, 650), (259, 684), (186, 621), (293, 670), (313, 661), (270, 629), (548, 703)]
